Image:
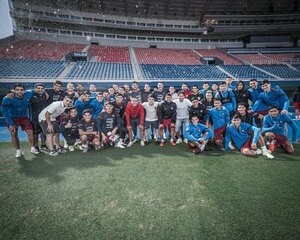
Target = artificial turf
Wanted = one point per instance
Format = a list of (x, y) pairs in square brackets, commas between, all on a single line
[(149, 193)]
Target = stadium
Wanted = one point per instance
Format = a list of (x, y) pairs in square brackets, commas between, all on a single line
[(154, 191)]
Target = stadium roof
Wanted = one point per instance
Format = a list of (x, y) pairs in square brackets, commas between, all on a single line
[(175, 9)]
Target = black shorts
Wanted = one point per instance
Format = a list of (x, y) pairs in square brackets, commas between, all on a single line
[(151, 124), (71, 138), (36, 128), (44, 126), (134, 122)]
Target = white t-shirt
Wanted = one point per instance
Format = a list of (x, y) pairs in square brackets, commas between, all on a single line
[(151, 111), (182, 108), (55, 109)]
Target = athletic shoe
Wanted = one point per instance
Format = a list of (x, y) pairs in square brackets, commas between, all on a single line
[(44, 147), (85, 149), (71, 149), (173, 143), (186, 141), (119, 145), (231, 146), (130, 144), (142, 144), (272, 147), (258, 151), (97, 147), (19, 153), (202, 147), (268, 154), (61, 151), (134, 141), (34, 151), (53, 153), (162, 143), (179, 140)]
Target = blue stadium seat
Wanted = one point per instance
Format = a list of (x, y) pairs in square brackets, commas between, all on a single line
[(31, 68), (168, 71), (282, 71), (98, 70), (244, 71)]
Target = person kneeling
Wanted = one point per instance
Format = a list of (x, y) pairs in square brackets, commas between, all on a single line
[(245, 137), (198, 135), (88, 131)]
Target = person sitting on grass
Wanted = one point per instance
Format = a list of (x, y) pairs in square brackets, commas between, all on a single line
[(15, 112), (69, 128), (198, 135), (274, 126), (88, 131), (109, 122), (245, 137), (50, 126)]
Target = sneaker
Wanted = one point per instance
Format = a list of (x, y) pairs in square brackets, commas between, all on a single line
[(130, 144), (34, 151), (19, 153), (85, 149), (44, 147), (268, 154), (162, 143), (258, 151), (186, 141), (119, 145), (71, 149), (179, 140), (97, 147), (142, 144), (134, 141), (61, 151), (173, 143), (53, 153), (231, 146), (197, 151), (272, 147)]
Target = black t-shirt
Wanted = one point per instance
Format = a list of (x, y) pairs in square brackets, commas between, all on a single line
[(90, 126), (158, 95), (74, 129), (55, 96), (200, 112), (120, 109), (37, 103), (108, 121)]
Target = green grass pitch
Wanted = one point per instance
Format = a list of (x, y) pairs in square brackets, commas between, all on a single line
[(149, 193)]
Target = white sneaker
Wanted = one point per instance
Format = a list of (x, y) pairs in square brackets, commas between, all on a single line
[(97, 147), (268, 155), (85, 149), (258, 151), (186, 141), (119, 145), (53, 153), (231, 146), (142, 143), (19, 153), (129, 144), (34, 151), (179, 140), (71, 149), (61, 151)]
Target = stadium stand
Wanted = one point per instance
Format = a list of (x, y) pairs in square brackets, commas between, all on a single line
[(256, 59), (43, 50), (282, 71), (244, 71), (166, 56), (228, 60), (110, 54), (284, 57), (18, 68), (168, 71), (97, 70)]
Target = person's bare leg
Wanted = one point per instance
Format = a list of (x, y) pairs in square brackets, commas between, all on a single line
[(248, 152), (30, 137), (14, 139), (49, 141)]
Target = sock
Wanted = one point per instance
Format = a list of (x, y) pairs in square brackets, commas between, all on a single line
[(264, 148), (18, 150), (33, 148)]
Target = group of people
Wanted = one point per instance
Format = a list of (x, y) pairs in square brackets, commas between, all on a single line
[(116, 117)]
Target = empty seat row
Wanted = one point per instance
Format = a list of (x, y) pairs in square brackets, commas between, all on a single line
[(166, 56), (101, 71), (32, 49), (282, 71), (227, 59), (254, 58), (244, 71), (110, 54), (31, 68), (155, 71)]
